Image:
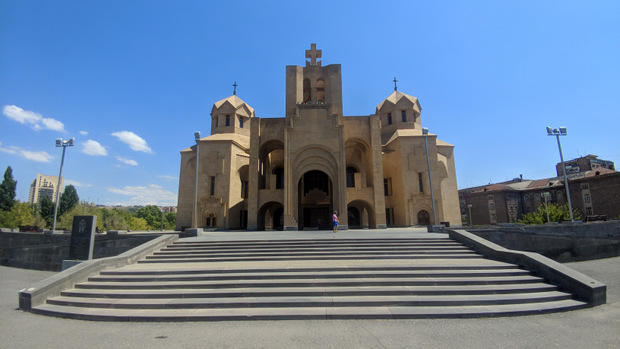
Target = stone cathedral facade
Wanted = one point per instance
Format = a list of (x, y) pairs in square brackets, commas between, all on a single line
[(292, 172)]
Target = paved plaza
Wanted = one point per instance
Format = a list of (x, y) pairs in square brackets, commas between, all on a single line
[(597, 327)]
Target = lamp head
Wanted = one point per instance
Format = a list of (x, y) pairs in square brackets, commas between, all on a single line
[(424, 130), (563, 130), (197, 136), (59, 142), (549, 131)]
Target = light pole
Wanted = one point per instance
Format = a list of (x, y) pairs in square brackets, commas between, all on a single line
[(470, 220), (162, 218), (430, 177), (195, 219), (64, 144), (557, 133), (546, 195)]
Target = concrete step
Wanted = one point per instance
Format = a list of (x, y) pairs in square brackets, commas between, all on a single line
[(292, 257), (250, 275), (296, 313), (312, 301), (312, 291)]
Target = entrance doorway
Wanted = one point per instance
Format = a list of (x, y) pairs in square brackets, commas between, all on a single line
[(424, 218), (315, 200)]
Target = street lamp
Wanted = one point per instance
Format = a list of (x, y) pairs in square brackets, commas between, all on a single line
[(162, 218), (547, 196), (64, 144), (195, 219), (430, 177), (557, 133)]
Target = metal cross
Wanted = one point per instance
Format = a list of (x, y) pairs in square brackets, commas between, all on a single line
[(235, 88), (395, 81), (313, 54)]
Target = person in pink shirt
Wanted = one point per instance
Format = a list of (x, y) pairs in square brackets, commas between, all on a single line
[(335, 221)]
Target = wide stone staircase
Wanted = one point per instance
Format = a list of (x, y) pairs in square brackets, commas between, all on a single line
[(310, 279)]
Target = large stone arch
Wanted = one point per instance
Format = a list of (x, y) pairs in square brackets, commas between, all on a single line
[(358, 155), (270, 155), (366, 212), (270, 216)]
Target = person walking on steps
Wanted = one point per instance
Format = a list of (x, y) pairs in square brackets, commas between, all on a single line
[(335, 221)]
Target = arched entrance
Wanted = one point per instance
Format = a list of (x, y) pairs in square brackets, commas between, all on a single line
[(270, 216), (424, 218), (355, 219), (315, 198)]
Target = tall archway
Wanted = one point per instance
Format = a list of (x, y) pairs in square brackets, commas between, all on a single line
[(361, 215), (424, 218), (315, 199)]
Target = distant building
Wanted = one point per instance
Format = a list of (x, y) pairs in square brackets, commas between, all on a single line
[(44, 186), (584, 163), (593, 192)]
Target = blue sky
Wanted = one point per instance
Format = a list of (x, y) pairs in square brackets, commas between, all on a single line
[(132, 80)]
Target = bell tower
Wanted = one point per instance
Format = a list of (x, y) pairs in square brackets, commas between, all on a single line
[(314, 84)]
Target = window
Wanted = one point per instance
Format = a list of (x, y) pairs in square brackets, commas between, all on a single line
[(389, 216), (240, 122), (212, 186), (587, 198), (351, 177), (227, 120), (403, 115), (244, 189), (589, 211), (387, 186), (389, 118), (216, 121), (421, 182), (279, 172), (585, 186)]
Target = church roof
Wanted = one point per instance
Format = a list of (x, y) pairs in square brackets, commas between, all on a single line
[(240, 140), (412, 133), (395, 97), (236, 103)]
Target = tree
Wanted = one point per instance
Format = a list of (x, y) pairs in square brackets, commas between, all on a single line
[(556, 214), (46, 210), (138, 224), (7, 190), (68, 200), (151, 215)]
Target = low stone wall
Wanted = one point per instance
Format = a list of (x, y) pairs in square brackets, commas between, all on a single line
[(47, 251), (564, 242)]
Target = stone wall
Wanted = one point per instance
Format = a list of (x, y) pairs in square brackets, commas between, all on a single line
[(46, 252), (560, 242)]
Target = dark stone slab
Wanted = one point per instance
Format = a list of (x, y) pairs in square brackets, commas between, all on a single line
[(82, 237)]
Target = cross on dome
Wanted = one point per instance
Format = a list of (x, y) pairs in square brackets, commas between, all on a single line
[(235, 88), (395, 81), (313, 54)]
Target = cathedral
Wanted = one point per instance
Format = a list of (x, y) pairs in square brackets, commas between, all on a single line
[(293, 172)]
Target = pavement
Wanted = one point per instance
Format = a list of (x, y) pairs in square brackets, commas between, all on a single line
[(597, 327)]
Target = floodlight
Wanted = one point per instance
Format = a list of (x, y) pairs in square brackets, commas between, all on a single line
[(549, 131), (563, 130), (59, 142), (424, 130), (197, 136)]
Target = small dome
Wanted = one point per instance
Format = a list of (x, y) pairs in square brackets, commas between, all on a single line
[(396, 98), (233, 104)]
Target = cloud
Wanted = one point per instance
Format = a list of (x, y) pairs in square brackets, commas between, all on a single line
[(38, 156), (150, 195), (77, 184), (94, 148), (134, 141), (83, 133), (37, 121), (168, 177), (127, 161)]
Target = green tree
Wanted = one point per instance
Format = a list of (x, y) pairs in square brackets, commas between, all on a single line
[(7, 190), (556, 214), (68, 200), (66, 220), (138, 224), (151, 215), (170, 221), (46, 210)]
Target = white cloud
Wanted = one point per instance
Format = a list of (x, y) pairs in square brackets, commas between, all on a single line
[(127, 161), (150, 195), (38, 156), (134, 141), (168, 177), (77, 184), (94, 148), (37, 121), (83, 133)]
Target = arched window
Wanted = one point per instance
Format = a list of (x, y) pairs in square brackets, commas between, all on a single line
[(211, 220), (307, 91), (424, 218), (320, 91)]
